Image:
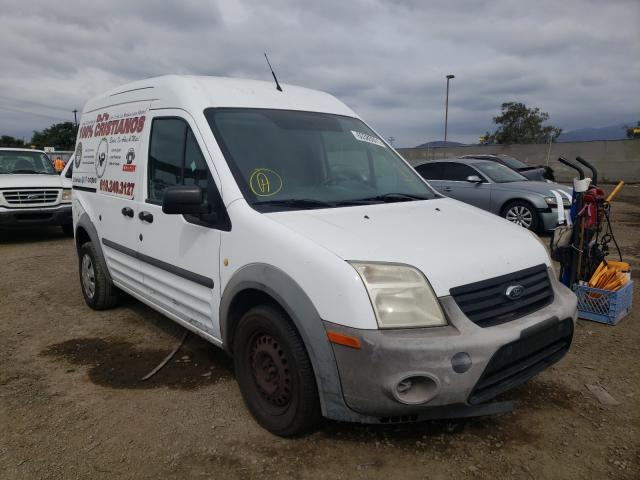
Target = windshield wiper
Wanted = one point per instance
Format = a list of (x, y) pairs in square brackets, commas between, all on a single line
[(311, 203), (296, 203), (24, 171), (396, 197)]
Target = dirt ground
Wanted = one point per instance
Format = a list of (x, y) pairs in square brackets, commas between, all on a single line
[(72, 404)]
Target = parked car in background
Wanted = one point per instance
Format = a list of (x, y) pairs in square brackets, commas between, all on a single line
[(540, 173), (32, 193), (491, 186)]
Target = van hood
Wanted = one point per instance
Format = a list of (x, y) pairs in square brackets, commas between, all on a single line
[(31, 180), (452, 243)]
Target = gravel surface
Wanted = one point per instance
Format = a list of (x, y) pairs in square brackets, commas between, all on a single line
[(72, 404)]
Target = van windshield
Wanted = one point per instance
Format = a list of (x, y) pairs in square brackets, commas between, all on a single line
[(284, 159), (24, 161)]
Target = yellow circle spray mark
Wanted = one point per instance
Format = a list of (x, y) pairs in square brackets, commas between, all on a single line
[(265, 182)]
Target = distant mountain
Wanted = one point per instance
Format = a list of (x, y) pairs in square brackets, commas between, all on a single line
[(612, 132), (440, 143)]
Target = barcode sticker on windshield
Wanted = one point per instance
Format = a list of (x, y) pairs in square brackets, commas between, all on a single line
[(363, 137)]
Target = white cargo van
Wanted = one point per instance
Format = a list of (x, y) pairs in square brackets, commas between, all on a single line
[(280, 227)]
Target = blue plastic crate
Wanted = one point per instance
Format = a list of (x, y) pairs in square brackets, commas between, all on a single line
[(604, 306)]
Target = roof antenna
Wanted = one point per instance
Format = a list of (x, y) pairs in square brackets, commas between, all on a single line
[(278, 87)]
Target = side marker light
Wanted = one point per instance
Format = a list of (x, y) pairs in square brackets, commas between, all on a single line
[(342, 339)]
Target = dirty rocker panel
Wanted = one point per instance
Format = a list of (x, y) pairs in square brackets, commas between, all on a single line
[(180, 272)]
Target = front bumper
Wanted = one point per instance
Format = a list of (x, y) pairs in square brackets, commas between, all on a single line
[(369, 375), (35, 217)]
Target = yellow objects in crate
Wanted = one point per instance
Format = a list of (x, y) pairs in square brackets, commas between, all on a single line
[(610, 275)]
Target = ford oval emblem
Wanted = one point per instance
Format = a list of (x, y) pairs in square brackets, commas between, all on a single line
[(513, 292)]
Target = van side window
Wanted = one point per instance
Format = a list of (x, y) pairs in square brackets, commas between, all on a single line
[(175, 158), (196, 171), (166, 155)]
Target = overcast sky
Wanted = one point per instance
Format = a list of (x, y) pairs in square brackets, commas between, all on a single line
[(577, 60)]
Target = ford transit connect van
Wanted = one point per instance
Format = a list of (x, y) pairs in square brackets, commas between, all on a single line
[(280, 227)]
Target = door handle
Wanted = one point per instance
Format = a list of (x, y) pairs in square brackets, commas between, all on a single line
[(127, 211), (145, 217), (447, 189)]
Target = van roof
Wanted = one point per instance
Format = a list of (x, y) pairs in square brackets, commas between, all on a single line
[(198, 92)]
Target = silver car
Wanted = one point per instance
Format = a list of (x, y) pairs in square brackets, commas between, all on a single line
[(540, 173), (500, 190)]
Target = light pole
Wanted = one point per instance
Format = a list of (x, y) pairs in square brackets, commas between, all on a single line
[(75, 116), (446, 108)]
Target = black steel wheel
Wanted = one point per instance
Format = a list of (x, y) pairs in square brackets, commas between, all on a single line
[(274, 372)]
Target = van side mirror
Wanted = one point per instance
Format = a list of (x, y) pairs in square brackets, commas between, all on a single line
[(184, 199), (474, 179)]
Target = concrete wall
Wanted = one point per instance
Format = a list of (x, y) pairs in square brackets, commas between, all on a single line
[(615, 159)]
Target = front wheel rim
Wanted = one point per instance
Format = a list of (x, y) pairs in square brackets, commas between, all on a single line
[(520, 216), (270, 371), (88, 276)]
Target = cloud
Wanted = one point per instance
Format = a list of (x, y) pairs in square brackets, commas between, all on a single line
[(575, 59)]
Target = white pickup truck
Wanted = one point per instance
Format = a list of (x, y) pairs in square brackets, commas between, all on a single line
[(31, 192)]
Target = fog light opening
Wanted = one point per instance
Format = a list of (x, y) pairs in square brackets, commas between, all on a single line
[(415, 389)]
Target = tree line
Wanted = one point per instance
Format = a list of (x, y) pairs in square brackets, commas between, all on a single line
[(519, 124), (61, 136)]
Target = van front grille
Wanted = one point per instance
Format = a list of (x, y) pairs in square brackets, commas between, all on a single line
[(486, 302), (30, 197)]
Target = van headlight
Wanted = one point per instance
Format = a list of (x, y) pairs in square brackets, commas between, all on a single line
[(401, 296), (66, 194)]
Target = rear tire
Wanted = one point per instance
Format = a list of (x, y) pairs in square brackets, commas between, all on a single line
[(522, 213), (98, 290), (67, 229), (274, 372)]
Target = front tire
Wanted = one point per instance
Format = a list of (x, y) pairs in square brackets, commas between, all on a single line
[(274, 372), (98, 290), (67, 229), (522, 213)]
